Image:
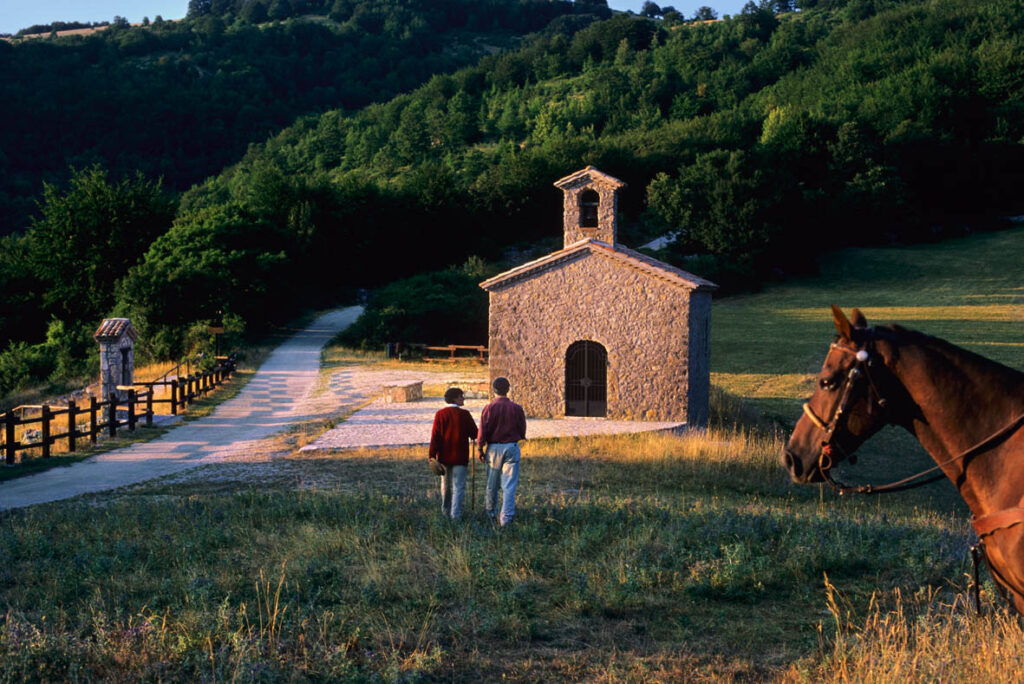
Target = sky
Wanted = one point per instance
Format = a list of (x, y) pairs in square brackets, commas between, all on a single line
[(19, 14)]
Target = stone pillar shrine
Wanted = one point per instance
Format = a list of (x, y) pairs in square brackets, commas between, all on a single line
[(116, 337)]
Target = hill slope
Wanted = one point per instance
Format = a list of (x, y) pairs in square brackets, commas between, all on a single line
[(183, 99)]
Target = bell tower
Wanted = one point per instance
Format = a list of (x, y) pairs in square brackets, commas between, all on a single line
[(590, 205)]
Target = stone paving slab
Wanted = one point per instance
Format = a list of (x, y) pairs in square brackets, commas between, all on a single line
[(381, 424)]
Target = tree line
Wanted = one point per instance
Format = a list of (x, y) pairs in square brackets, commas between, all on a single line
[(180, 100), (757, 141)]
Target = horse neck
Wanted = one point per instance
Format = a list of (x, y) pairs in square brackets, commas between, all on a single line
[(957, 399)]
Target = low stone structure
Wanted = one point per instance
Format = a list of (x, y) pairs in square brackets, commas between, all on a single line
[(116, 337), (403, 392), (597, 329)]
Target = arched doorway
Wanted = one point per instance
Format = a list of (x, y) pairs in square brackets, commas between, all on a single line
[(586, 384)]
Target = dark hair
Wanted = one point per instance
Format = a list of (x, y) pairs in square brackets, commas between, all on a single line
[(451, 394), (501, 386)]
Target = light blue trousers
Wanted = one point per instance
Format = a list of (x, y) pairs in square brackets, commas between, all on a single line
[(503, 470), (453, 491)]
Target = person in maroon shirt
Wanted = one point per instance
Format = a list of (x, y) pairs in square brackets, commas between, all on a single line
[(502, 426), (454, 429)]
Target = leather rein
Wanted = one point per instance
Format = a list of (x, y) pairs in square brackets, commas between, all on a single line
[(825, 463), (984, 525)]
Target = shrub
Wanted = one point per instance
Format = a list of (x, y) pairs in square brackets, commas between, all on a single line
[(442, 307)]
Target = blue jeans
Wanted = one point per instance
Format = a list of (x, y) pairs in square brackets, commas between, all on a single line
[(453, 491), (503, 469)]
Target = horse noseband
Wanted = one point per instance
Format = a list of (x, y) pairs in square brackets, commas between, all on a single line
[(864, 360)]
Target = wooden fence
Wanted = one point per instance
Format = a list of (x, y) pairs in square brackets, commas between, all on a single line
[(423, 352), (452, 349), (103, 416)]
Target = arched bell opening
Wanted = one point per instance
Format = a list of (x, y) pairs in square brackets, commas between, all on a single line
[(586, 380), (589, 203)]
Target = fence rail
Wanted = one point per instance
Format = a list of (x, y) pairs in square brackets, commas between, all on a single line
[(481, 352), (104, 415), (400, 350)]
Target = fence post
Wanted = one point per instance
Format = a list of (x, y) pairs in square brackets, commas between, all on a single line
[(131, 410), (44, 429), (149, 406), (93, 427), (112, 425), (183, 387), (72, 425), (174, 397), (9, 445)]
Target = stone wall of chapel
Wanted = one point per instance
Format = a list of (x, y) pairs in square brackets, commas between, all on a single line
[(699, 389), (642, 322)]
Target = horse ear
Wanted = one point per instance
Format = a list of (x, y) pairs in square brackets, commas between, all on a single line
[(842, 323), (857, 318)]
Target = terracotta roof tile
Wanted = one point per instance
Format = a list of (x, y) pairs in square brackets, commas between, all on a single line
[(113, 328)]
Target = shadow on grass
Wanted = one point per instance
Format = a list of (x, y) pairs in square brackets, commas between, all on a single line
[(369, 580)]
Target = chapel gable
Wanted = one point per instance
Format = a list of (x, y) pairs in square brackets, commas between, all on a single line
[(589, 206)]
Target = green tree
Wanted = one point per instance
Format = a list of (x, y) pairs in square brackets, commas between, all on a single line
[(722, 204), (221, 258), (89, 235), (441, 307), (199, 8), (705, 13)]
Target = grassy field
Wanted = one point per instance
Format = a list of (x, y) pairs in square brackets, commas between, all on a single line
[(642, 558)]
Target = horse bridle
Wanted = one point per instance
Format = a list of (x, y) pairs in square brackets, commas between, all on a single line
[(825, 463), (829, 444), (983, 526)]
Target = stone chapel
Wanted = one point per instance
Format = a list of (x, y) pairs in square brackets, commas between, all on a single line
[(597, 329)]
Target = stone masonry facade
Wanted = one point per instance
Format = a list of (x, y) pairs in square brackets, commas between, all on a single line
[(116, 337), (652, 319), (573, 188)]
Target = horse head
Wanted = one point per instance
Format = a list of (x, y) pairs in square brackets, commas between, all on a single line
[(846, 407)]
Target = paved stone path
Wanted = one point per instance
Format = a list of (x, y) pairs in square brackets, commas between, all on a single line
[(287, 390), (280, 394), (381, 424)]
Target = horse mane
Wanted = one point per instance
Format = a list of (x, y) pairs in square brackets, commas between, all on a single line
[(958, 356)]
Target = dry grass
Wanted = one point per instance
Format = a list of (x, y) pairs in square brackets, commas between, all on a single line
[(925, 637), (335, 356)]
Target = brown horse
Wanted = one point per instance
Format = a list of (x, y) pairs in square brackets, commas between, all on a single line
[(965, 410)]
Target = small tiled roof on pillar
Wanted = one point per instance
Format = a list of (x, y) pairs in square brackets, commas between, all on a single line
[(112, 329), (588, 175)]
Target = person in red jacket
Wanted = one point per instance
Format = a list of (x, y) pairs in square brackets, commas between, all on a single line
[(453, 430)]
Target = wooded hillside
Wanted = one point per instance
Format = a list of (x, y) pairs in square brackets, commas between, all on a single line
[(182, 99), (760, 141)]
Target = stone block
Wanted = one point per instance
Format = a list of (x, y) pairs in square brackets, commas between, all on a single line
[(403, 392)]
